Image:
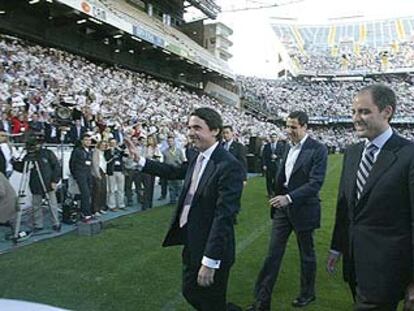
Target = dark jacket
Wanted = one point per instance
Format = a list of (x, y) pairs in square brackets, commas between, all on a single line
[(80, 162), (49, 166), (279, 151), (210, 229), (239, 152), (115, 160), (375, 233), (304, 185)]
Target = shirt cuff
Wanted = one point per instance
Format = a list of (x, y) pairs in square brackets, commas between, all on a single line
[(211, 263), (334, 252), (289, 199)]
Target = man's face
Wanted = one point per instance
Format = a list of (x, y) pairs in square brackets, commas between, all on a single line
[(171, 142), (295, 131), (273, 138), (369, 121), (200, 134), (86, 142), (227, 134)]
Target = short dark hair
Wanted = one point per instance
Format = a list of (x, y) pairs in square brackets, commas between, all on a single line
[(382, 96), (301, 116), (86, 136), (170, 137), (228, 127), (211, 117)]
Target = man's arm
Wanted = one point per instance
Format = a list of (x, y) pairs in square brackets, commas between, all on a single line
[(164, 170), (230, 187), (409, 297), (339, 244)]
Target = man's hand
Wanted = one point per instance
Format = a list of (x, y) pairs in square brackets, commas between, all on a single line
[(331, 262), (409, 298), (205, 276), (279, 201), (53, 186), (245, 183), (264, 167)]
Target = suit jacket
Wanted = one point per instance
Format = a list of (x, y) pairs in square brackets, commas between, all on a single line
[(209, 231), (267, 153), (48, 134), (239, 152), (80, 162), (375, 234), (304, 185), (73, 136)]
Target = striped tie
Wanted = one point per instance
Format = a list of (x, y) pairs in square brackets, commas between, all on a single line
[(365, 166)]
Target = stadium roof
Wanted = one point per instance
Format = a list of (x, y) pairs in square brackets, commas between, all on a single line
[(208, 7)]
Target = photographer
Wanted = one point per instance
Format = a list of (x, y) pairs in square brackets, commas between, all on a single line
[(116, 179), (50, 171)]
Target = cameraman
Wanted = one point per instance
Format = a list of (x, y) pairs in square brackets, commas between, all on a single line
[(50, 171)]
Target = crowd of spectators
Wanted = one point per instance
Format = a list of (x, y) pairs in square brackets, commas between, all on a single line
[(365, 58), (35, 79), (111, 102), (321, 98)]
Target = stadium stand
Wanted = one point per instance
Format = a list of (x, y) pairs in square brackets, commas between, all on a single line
[(366, 46)]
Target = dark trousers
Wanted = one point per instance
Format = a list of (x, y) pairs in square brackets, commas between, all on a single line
[(84, 182), (132, 176), (99, 193), (148, 182), (363, 304), (164, 187), (212, 298), (271, 179), (281, 230)]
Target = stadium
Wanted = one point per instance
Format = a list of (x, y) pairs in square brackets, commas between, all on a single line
[(129, 75)]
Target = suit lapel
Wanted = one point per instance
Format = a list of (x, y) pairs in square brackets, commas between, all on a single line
[(354, 159), (385, 159), (303, 154), (208, 171)]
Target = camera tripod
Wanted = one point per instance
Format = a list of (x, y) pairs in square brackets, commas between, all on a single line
[(28, 165)]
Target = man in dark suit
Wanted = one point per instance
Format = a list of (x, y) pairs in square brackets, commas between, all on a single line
[(375, 208), (296, 207), (76, 132), (272, 155), (80, 165), (203, 220), (234, 147)]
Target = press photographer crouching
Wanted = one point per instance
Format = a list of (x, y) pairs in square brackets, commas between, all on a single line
[(39, 160)]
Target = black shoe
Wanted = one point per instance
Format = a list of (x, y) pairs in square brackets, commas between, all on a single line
[(37, 229), (302, 301), (161, 198), (257, 307), (233, 307), (57, 227)]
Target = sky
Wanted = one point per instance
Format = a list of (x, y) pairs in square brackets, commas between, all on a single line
[(254, 50)]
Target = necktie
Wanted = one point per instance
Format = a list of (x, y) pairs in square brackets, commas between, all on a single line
[(365, 167), (191, 191)]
